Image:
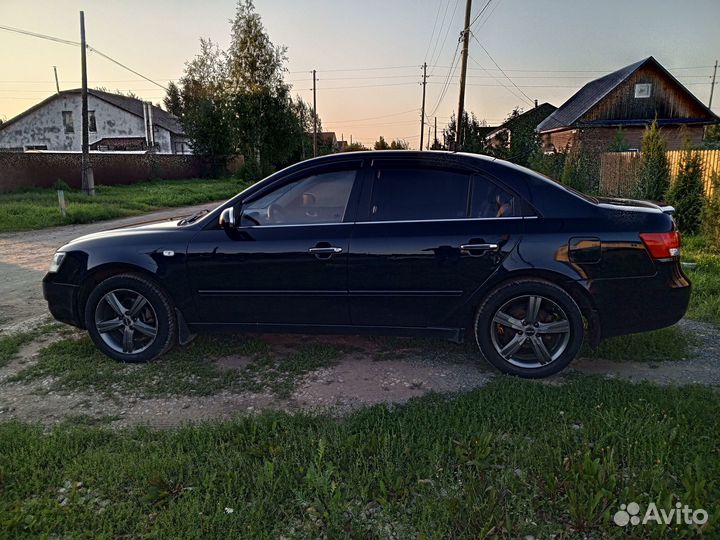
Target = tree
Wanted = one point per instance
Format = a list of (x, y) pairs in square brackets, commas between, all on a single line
[(619, 142), (173, 100), (205, 113), (355, 147), (686, 194), (654, 176), (236, 101), (710, 217), (581, 169), (474, 134), (381, 144), (399, 144)]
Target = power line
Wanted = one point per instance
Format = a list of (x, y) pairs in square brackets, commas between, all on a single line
[(451, 71), (77, 44), (372, 117), (442, 25), (482, 23), (41, 36), (116, 62), (501, 71), (480, 14), (447, 32), (437, 14)]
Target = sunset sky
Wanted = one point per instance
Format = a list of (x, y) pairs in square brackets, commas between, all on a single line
[(368, 53)]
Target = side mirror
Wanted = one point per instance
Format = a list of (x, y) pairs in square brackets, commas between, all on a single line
[(227, 219)]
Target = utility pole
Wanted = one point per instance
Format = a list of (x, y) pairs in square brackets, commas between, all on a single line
[(435, 134), (427, 144), (422, 111), (57, 84), (463, 73), (88, 180), (712, 87), (314, 117)]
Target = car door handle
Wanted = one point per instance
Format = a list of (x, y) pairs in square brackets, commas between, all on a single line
[(325, 250), (478, 247)]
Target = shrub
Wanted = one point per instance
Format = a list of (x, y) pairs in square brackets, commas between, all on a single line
[(711, 213), (686, 193), (654, 175), (551, 164), (581, 170)]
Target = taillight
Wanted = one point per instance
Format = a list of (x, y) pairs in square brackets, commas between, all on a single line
[(662, 245)]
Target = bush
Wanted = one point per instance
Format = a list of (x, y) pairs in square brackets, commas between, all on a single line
[(581, 170), (686, 193), (550, 164), (711, 213), (654, 176)]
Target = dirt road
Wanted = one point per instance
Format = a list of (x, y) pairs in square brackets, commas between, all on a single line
[(25, 256)]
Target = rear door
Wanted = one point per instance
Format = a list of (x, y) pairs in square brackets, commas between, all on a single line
[(426, 238)]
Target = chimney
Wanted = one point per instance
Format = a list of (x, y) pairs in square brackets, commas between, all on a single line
[(150, 122), (145, 122), (536, 103)]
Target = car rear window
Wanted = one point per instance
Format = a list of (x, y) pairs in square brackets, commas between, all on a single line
[(413, 194)]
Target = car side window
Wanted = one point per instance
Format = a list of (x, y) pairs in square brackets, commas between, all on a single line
[(491, 201), (320, 198), (415, 194)]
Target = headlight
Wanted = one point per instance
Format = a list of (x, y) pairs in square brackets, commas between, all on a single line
[(57, 261)]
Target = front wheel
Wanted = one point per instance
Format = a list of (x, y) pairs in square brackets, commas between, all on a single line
[(130, 319), (529, 328)]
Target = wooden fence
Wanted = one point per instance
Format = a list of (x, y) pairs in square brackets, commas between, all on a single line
[(619, 170)]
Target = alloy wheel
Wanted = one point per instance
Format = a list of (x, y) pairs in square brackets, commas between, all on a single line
[(530, 331), (126, 321)]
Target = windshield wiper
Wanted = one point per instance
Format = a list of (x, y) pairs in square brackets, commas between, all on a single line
[(193, 217)]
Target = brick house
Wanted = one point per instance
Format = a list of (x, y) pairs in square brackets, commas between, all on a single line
[(115, 122)]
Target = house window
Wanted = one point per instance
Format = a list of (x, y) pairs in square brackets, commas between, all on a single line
[(643, 90), (36, 147), (67, 117), (92, 126)]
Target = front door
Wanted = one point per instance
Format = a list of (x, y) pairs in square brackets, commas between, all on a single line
[(286, 263), (429, 240)]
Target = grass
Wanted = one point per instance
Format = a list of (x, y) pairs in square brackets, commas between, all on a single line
[(666, 344), (11, 344), (705, 278), (75, 364), (512, 459), (38, 208)]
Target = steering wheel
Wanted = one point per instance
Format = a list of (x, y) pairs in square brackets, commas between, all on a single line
[(275, 213)]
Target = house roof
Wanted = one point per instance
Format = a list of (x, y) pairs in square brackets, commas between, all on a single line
[(594, 91), (534, 115), (129, 104)]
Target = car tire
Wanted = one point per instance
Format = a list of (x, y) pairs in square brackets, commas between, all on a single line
[(130, 318), (529, 328)]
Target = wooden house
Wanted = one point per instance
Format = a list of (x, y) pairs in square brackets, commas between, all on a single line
[(629, 98)]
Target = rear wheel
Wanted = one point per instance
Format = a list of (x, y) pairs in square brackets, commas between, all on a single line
[(130, 319), (529, 328)]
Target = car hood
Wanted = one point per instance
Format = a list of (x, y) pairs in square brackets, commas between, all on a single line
[(136, 231)]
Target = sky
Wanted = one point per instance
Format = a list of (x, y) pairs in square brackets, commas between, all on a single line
[(368, 53)]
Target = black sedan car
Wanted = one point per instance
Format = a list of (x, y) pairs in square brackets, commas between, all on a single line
[(413, 243)]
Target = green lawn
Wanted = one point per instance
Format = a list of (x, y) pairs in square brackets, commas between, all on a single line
[(38, 208), (512, 459), (705, 278)]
